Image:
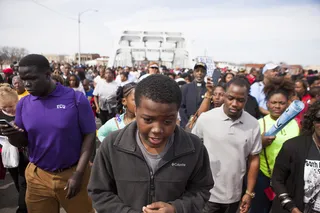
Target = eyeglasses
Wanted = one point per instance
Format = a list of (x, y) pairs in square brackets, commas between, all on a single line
[(154, 68)]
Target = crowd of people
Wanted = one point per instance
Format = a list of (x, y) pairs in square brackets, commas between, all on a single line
[(170, 141)]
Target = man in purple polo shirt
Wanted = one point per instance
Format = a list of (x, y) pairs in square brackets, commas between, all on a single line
[(58, 126)]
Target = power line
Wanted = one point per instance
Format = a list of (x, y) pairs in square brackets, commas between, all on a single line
[(52, 10)]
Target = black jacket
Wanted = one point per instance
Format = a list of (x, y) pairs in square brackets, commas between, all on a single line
[(121, 181), (252, 107), (191, 101), (288, 172)]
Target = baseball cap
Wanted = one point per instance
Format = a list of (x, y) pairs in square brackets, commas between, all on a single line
[(200, 64), (242, 69), (269, 66)]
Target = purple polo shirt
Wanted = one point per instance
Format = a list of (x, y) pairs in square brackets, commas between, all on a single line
[(55, 126)]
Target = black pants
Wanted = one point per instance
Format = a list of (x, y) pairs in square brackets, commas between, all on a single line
[(211, 207), (20, 183), (105, 116)]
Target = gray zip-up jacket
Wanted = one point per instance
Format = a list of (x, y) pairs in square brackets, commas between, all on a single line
[(121, 181)]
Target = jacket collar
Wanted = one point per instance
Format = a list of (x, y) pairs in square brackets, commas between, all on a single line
[(126, 141)]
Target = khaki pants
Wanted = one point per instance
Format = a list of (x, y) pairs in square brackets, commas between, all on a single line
[(45, 191)]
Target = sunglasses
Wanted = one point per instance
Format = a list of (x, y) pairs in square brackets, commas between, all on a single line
[(316, 120), (154, 67)]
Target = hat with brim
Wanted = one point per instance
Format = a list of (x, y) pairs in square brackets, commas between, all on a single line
[(242, 69), (200, 64), (269, 66)]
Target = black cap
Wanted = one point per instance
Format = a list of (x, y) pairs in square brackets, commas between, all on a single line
[(200, 64)]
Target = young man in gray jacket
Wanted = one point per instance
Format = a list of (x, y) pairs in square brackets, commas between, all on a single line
[(152, 165)]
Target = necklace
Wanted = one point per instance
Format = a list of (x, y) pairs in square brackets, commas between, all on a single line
[(315, 143)]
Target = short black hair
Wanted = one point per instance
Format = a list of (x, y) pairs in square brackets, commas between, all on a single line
[(34, 60), (238, 81), (246, 80), (158, 88)]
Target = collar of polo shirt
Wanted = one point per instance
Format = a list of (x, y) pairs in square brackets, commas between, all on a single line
[(224, 117), (58, 91)]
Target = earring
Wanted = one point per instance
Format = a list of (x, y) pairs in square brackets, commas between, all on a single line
[(124, 108)]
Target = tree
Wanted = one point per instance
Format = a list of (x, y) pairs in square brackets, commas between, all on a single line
[(10, 54)]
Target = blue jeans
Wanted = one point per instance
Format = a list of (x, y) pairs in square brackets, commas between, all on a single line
[(260, 203)]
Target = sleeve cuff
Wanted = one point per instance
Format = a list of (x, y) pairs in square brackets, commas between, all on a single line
[(289, 206)]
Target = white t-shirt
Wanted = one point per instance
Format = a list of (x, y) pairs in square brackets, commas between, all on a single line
[(97, 79), (107, 92), (131, 78), (312, 180), (229, 143)]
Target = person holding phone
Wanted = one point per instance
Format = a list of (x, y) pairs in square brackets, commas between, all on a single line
[(58, 127), (8, 102)]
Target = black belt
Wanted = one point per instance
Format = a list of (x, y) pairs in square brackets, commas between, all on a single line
[(64, 169)]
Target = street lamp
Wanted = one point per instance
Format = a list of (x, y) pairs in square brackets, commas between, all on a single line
[(79, 21)]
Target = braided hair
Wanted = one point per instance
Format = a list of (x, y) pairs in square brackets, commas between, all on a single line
[(309, 117), (124, 92)]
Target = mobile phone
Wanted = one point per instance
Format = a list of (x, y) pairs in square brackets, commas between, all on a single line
[(5, 122), (216, 76)]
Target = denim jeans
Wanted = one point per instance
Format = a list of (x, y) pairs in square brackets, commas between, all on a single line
[(260, 203)]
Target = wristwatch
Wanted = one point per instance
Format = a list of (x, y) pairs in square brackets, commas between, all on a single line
[(252, 194), (207, 96)]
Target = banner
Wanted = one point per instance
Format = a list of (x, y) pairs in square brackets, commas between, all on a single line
[(291, 112)]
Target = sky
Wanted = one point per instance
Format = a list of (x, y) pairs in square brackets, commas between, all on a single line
[(240, 31)]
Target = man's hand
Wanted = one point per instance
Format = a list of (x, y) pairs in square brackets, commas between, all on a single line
[(267, 140), (98, 110), (159, 207), (74, 184), (8, 130), (245, 203), (295, 210)]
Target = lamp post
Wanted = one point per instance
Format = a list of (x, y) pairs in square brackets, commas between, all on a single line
[(79, 22)]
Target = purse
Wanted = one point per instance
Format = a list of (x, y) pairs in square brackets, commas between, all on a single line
[(268, 191)]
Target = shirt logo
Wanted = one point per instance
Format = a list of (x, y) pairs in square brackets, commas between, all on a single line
[(178, 164), (61, 106)]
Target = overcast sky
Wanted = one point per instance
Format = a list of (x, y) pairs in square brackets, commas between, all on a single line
[(257, 31)]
